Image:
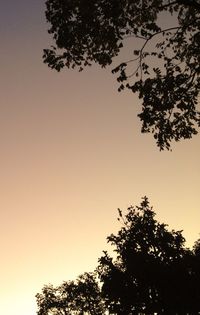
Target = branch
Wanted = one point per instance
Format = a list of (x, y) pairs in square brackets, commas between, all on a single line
[(190, 3), (168, 5), (141, 57)]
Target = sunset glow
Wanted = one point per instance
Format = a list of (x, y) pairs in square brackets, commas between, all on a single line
[(71, 154)]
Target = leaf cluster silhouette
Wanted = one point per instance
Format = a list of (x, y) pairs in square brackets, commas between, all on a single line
[(86, 31), (152, 272)]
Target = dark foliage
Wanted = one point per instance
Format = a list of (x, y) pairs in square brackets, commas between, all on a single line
[(152, 272), (73, 297), (88, 31)]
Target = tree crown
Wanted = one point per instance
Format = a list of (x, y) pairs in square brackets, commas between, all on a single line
[(87, 31)]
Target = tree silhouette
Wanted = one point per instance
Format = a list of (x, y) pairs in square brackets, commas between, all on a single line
[(164, 69), (73, 297), (152, 272)]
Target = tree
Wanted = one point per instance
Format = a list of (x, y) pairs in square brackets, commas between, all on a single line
[(152, 272), (165, 67), (72, 298)]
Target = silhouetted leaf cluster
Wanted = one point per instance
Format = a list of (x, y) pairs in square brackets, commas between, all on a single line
[(88, 31), (152, 272), (73, 297)]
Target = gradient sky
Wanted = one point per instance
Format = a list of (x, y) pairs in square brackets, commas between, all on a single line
[(71, 154)]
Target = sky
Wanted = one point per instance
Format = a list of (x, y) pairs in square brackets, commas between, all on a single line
[(71, 154)]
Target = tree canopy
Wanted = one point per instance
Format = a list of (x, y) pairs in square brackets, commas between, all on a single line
[(154, 272), (72, 298), (163, 69), (151, 272)]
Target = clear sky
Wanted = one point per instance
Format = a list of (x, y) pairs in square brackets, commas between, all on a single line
[(71, 154)]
